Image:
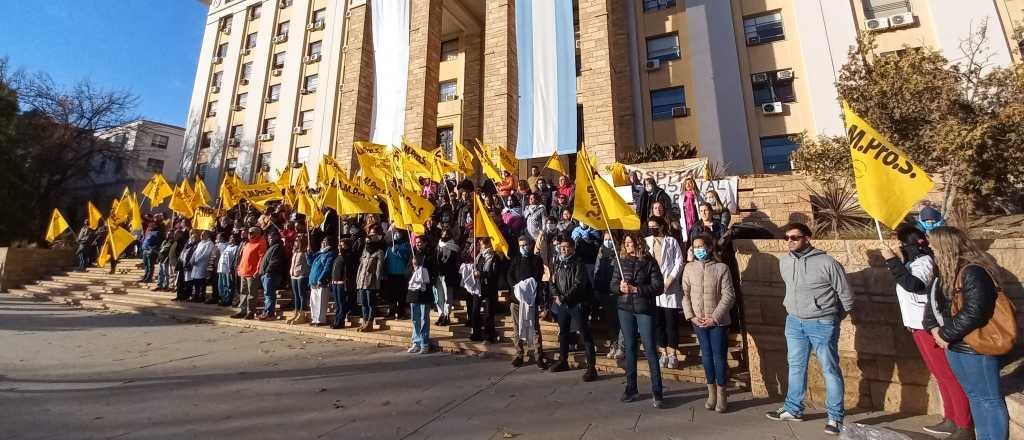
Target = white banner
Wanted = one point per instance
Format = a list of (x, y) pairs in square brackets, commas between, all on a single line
[(390, 19), (672, 182)]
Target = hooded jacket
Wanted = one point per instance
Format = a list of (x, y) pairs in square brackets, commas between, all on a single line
[(320, 265), (371, 264), (816, 286)]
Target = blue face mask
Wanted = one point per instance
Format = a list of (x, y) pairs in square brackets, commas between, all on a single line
[(700, 253), (609, 244), (927, 227), (564, 257)]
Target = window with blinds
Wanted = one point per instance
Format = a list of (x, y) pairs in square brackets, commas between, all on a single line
[(885, 8)]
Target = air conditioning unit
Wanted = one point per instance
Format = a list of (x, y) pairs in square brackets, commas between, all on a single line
[(771, 108), (244, 81), (784, 75), (268, 100), (316, 25), (265, 137), (299, 130), (752, 41), (278, 39), (276, 72), (876, 24), (759, 78), (902, 20), (309, 59), (237, 108), (218, 60), (226, 30), (211, 113), (653, 65), (214, 89), (680, 112)]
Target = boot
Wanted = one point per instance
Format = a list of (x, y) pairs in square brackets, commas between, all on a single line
[(591, 374), (542, 363), (295, 317), (518, 361), (302, 318), (712, 397), (723, 404)]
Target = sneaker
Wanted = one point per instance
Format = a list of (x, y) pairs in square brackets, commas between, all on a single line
[(518, 361), (628, 397), (659, 403), (590, 375), (782, 415), (945, 427), (833, 427), (413, 349), (542, 363), (426, 349)]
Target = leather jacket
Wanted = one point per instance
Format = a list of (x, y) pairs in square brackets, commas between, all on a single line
[(644, 273), (979, 302), (569, 282)]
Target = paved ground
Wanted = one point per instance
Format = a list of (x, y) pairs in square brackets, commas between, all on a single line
[(68, 374)]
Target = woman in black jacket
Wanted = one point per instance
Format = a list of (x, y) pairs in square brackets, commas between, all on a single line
[(638, 283), (965, 271)]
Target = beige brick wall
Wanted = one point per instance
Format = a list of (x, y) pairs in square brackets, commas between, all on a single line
[(472, 87), (500, 90), (355, 105), (771, 201), (19, 266), (424, 56)]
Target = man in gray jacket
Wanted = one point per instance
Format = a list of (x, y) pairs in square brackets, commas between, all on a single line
[(818, 297)]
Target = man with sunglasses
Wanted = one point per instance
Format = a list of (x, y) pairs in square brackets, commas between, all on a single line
[(818, 297)]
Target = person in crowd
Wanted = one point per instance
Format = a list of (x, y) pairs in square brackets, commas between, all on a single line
[(543, 192), (708, 295), (561, 206), (635, 287), (588, 242), (720, 212), (688, 203), (340, 279), (652, 194), (163, 283), (603, 269), (368, 277), (248, 272), (199, 263), (397, 261), (674, 228), (420, 294), (151, 241), (914, 275), (273, 267), (211, 265), (706, 224), (571, 294), (532, 178), (507, 185), (929, 218), (669, 255), (566, 188), (524, 277), (85, 243), (174, 254), (818, 297), (226, 271), (185, 286), (320, 265), (448, 259), (535, 213), (485, 270), (298, 271), (566, 224), (960, 302)]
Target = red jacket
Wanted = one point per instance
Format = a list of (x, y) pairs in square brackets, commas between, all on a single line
[(252, 253)]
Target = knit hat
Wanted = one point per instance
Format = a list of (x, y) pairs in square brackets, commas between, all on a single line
[(930, 214)]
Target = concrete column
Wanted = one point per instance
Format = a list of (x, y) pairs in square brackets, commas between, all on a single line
[(472, 87), (605, 86), (355, 103), (424, 65), (500, 91)]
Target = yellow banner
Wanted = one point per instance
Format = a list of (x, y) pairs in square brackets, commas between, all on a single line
[(57, 226), (555, 164), (464, 158), (597, 204), (484, 226), (94, 215), (260, 193), (205, 219), (416, 160), (180, 201)]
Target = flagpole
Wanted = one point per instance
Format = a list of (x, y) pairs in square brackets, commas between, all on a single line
[(878, 229), (604, 213)]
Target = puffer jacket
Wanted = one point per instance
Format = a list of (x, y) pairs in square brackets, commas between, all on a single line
[(708, 291), (979, 303), (644, 273), (569, 282)]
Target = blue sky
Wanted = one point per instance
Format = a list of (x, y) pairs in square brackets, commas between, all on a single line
[(148, 47)]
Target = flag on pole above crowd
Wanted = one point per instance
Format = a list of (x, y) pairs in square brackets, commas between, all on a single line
[(485, 227), (57, 226), (889, 184), (117, 240), (596, 202), (157, 190), (555, 164), (94, 215)]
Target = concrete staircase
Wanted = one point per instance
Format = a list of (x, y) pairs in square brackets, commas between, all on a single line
[(121, 291)]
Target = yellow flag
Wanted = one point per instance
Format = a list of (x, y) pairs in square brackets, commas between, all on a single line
[(464, 159), (229, 192), (555, 164), (620, 177), (261, 177), (124, 206), (308, 206), (889, 184), (181, 202), (489, 170), (57, 226), (136, 212), (415, 159), (157, 190), (346, 198), (94, 215), (117, 241), (507, 160), (284, 178), (104, 255), (260, 194), (484, 226), (597, 204), (201, 196), (394, 204), (205, 219), (302, 181)]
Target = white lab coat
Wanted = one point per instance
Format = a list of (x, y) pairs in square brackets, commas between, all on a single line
[(671, 268)]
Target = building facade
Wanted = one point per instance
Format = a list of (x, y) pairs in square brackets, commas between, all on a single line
[(150, 147), (285, 81)]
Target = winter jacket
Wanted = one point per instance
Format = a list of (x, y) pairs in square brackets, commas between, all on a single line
[(603, 270), (535, 215), (300, 265), (228, 258), (487, 264), (320, 265), (587, 240), (913, 282), (200, 260), (569, 282), (398, 258), (523, 267), (979, 292), (644, 273), (275, 261), (448, 261), (426, 259), (252, 254), (152, 240), (816, 285), (371, 266), (165, 251), (339, 266), (708, 291)]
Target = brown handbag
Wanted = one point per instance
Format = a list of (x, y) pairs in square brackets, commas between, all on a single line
[(999, 334)]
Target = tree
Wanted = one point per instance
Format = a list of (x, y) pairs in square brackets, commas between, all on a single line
[(50, 143)]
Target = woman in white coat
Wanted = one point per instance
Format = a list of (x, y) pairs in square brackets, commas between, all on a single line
[(200, 266), (669, 255)]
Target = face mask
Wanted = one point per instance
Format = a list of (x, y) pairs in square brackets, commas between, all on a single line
[(927, 227), (564, 258), (396, 237), (524, 250), (700, 253), (609, 243)]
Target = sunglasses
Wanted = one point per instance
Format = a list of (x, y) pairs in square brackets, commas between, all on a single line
[(793, 238)]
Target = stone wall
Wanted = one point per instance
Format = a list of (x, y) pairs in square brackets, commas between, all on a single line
[(771, 201), (880, 362), (19, 266)]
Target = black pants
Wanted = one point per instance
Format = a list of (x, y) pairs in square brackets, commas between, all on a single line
[(182, 289), (394, 288), (198, 289), (567, 316), (666, 327), (488, 299)]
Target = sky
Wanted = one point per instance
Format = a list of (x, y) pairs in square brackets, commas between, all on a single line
[(147, 47)]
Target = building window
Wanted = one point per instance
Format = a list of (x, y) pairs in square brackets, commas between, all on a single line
[(306, 119), (218, 79), (665, 100), (885, 8), (247, 71), (154, 165), (450, 50), (301, 154), (225, 24), (654, 5), (254, 11), (310, 82), (269, 125), (230, 165), (447, 91), (237, 131), (763, 28), (279, 60), (282, 28), (242, 100), (773, 86), (274, 94), (201, 170), (264, 162), (211, 109), (579, 64), (320, 15), (222, 50), (250, 40), (775, 151), (663, 48), (445, 139), (121, 139), (314, 48), (206, 139), (159, 141)]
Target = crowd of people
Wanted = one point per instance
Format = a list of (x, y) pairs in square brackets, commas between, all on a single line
[(637, 284)]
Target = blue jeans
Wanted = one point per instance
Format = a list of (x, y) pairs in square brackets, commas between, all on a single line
[(341, 303), (979, 376), (225, 287), (713, 351), (631, 324), (367, 298), (420, 324), (270, 283), (148, 261), (300, 293), (163, 278), (821, 335)]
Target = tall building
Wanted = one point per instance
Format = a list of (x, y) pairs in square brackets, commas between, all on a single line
[(285, 81)]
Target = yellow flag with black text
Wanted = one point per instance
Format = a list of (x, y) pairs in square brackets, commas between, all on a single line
[(157, 190), (597, 204), (889, 184), (205, 219), (485, 227), (555, 164), (181, 201), (57, 226)]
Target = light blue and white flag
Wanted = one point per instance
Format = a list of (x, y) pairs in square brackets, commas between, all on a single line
[(390, 23), (545, 43)]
